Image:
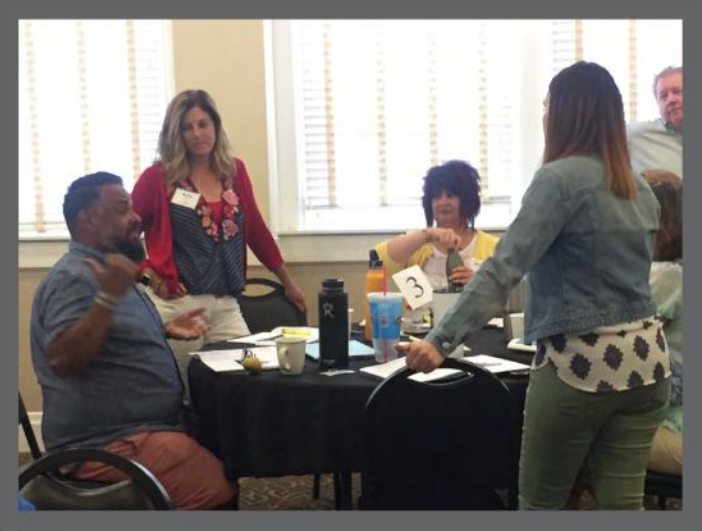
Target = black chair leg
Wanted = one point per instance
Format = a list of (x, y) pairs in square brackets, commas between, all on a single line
[(662, 502), (342, 491), (316, 485)]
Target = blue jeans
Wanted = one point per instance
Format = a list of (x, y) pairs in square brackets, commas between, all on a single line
[(565, 428)]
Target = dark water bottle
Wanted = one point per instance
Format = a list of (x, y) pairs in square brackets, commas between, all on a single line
[(453, 260), (333, 325)]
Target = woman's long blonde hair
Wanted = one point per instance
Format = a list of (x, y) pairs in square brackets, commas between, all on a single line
[(171, 150), (586, 117)]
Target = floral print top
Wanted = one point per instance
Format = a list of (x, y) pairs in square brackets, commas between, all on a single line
[(230, 208)]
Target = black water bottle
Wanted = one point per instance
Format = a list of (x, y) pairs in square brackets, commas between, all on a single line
[(333, 325), (453, 260)]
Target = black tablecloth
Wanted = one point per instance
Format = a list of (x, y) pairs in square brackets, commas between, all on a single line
[(271, 425)]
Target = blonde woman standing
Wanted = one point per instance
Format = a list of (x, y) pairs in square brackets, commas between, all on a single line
[(199, 215)]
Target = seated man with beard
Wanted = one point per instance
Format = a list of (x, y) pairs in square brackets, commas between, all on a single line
[(99, 350)]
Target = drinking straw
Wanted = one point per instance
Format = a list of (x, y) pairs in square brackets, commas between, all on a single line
[(385, 282)]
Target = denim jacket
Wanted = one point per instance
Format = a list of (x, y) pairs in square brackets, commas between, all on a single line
[(588, 254)]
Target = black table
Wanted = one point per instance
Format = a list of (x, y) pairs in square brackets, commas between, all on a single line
[(272, 425)]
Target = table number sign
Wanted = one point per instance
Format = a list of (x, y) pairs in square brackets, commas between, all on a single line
[(414, 285)]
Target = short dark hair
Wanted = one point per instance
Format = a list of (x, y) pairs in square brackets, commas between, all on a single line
[(457, 178), (83, 192)]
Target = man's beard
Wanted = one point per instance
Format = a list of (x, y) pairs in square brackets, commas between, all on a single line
[(134, 250)]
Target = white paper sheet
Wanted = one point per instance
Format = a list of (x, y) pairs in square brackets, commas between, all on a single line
[(495, 365), (384, 370), (221, 360), (229, 360)]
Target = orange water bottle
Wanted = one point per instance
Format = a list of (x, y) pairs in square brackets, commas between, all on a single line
[(375, 282)]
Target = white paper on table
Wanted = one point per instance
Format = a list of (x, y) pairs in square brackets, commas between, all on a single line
[(220, 360), (518, 343), (385, 370), (255, 338), (497, 322), (415, 286), (310, 333), (495, 365), (436, 374), (228, 360), (236, 354)]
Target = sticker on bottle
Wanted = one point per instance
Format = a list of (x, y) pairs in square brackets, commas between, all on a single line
[(414, 285)]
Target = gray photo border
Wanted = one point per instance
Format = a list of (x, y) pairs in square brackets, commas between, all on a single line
[(13, 10)]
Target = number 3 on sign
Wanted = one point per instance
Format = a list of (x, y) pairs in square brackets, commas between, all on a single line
[(414, 285)]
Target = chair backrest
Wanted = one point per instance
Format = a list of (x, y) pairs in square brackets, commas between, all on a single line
[(28, 430), (445, 444), (43, 485), (263, 312), (663, 486)]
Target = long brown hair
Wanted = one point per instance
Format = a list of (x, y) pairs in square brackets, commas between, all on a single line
[(586, 117), (667, 187), (171, 149)]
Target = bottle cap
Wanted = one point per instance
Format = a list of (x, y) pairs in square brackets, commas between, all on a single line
[(374, 261), (333, 283)]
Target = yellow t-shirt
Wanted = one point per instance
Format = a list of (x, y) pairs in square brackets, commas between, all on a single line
[(484, 248)]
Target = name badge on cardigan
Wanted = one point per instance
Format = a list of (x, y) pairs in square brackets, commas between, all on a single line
[(185, 199)]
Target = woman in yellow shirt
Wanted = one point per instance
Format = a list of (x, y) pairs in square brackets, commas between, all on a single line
[(451, 203)]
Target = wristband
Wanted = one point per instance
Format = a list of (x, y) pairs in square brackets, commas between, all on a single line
[(106, 301), (157, 286)]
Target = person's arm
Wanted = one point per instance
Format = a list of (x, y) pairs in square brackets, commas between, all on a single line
[(400, 248), (80, 343), (292, 292), (539, 222), (150, 201), (261, 241), (258, 236)]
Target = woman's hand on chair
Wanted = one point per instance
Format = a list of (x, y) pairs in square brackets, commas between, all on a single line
[(295, 295), (422, 356)]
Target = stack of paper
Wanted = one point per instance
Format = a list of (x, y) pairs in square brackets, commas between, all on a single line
[(267, 339), (221, 360), (495, 365), (385, 370), (229, 360), (518, 343)]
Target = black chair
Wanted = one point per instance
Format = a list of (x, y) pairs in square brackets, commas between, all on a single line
[(28, 430), (444, 445), (663, 486), (43, 484), (263, 312)]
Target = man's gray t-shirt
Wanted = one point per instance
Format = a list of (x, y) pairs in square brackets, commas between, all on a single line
[(132, 386)]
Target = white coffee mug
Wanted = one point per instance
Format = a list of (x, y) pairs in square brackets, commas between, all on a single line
[(291, 354)]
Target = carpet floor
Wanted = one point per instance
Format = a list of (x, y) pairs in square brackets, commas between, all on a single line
[(294, 493)]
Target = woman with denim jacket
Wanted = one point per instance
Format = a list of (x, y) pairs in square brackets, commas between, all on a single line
[(600, 378)]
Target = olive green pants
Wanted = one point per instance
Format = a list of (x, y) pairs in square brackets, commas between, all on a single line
[(610, 433)]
